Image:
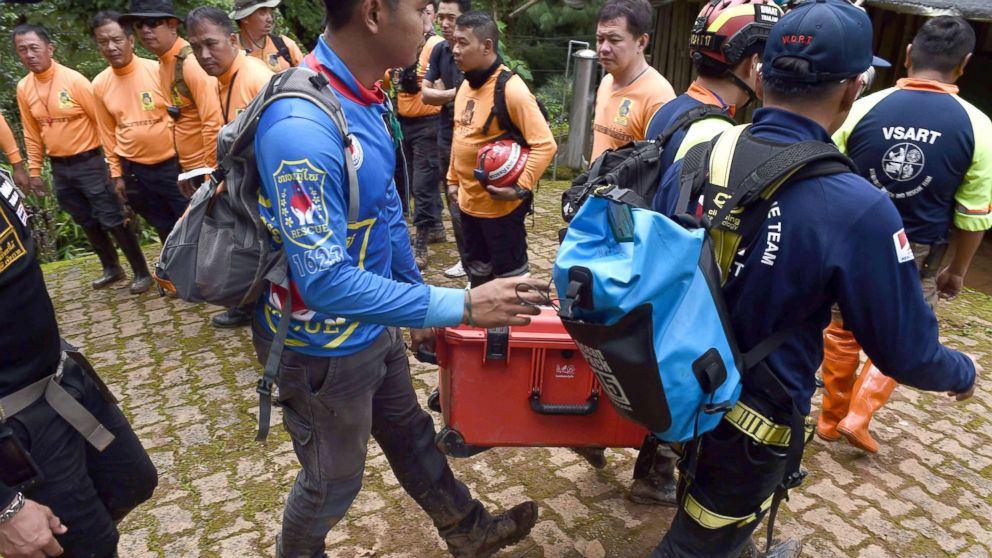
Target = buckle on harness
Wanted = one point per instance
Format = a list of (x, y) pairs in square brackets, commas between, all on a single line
[(794, 479), (264, 387)]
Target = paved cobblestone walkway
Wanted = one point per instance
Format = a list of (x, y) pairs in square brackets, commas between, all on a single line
[(189, 391)]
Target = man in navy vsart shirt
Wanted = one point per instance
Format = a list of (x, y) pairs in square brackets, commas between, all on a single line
[(825, 240), (931, 152), (345, 373)]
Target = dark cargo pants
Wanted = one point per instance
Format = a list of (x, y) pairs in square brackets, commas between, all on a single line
[(420, 146), (330, 406)]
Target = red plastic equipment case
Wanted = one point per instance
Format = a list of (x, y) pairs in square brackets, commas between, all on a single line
[(523, 386)]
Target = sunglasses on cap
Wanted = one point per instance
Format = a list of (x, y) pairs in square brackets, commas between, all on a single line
[(151, 22)]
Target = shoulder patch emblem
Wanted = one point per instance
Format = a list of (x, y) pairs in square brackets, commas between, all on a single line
[(300, 202), (904, 252)]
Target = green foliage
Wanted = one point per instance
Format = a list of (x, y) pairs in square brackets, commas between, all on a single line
[(551, 95)]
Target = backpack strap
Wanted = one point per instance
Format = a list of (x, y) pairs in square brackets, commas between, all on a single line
[(500, 112), (281, 48), (271, 372), (178, 82), (693, 115), (692, 176)]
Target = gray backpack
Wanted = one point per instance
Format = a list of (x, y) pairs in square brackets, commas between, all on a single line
[(220, 251)]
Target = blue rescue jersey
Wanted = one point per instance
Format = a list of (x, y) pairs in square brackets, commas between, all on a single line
[(348, 281), (930, 151), (683, 140), (827, 240)]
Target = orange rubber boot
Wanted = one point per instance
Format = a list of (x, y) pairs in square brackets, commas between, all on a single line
[(841, 356), (870, 392)]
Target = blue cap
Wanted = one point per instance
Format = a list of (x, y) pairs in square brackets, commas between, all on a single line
[(834, 36)]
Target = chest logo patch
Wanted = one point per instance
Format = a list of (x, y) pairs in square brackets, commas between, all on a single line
[(904, 251), (357, 152), (903, 162), (469, 113), (65, 101), (147, 103), (301, 206), (623, 111)]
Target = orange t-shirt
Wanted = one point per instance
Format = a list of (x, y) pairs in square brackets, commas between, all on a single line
[(472, 108), (411, 105), (133, 121), (8, 144), (195, 132), (58, 113), (623, 116), (240, 84), (269, 54)]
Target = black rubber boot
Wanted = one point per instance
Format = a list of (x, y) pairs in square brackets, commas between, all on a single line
[(437, 234), (132, 251), (498, 532), (595, 456), (105, 250), (789, 548), (420, 247), (657, 487), (232, 317)]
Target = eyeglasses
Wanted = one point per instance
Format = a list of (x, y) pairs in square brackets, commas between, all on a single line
[(150, 23)]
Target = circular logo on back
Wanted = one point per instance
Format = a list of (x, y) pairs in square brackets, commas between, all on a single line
[(903, 162)]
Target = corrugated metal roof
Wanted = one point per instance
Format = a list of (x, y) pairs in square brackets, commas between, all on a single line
[(978, 10)]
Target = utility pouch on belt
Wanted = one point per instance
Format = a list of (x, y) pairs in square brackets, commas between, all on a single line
[(17, 469), (931, 265)]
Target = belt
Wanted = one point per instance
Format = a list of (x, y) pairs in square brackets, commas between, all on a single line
[(62, 403), (77, 158)]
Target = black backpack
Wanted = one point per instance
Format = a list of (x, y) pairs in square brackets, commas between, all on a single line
[(634, 167), (501, 114)]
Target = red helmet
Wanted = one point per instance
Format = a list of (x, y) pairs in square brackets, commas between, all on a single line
[(501, 163), (725, 29)]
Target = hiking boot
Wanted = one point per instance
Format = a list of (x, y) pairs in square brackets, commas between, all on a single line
[(420, 247), (107, 254), (594, 456), (437, 235), (503, 530), (128, 243), (232, 317), (455, 271), (658, 486), (789, 548)]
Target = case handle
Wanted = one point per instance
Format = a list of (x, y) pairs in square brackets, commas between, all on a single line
[(580, 410)]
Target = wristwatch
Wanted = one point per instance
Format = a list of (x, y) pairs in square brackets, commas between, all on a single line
[(523, 193), (11, 510)]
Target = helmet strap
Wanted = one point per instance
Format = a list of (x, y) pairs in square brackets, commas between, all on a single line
[(751, 95)]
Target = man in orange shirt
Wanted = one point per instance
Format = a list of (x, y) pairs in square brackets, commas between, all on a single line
[(420, 124), (255, 22), (632, 90), (59, 115), (133, 122), (191, 92), (239, 78), (493, 217), (9, 147)]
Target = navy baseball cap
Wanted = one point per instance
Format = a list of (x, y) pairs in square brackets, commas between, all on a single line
[(834, 36)]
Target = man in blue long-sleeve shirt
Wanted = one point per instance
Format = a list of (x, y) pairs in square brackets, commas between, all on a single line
[(830, 239), (345, 374)]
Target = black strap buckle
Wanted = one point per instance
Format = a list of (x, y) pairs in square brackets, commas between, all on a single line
[(794, 479), (264, 387)]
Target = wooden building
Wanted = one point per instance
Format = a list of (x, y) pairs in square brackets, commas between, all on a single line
[(895, 22)]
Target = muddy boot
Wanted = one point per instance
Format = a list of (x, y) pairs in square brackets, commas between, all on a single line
[(789, 548), (841, 356), (132, 251), (437, 235), (105, 250), (420, 247), (654, 476), (498, 532), (232, 317), (594, 456)]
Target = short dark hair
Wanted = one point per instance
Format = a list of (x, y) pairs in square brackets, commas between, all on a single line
[(481, 24), (783, 88), (27, 28), (637, 13), (942, 43), (464, 6), (109, 16), (210, 14), (339, 12)]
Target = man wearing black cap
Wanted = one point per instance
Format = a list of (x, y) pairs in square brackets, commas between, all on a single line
[(829, 238), (255, 22)]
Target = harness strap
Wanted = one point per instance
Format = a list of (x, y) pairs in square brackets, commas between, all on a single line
[(62, 402), (281, 48)]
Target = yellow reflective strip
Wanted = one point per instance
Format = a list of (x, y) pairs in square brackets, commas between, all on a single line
[(726, 15), (758, 427), (712, 520), (723, 155)]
